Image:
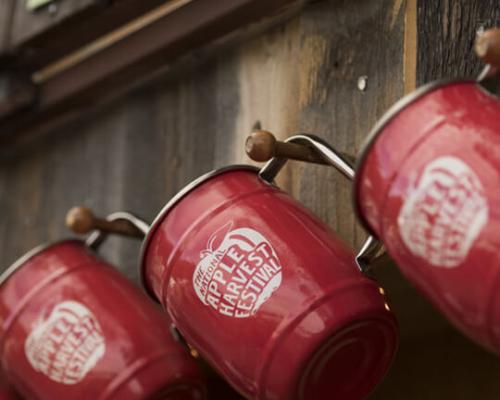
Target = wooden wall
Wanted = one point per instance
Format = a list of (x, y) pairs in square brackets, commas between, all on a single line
[(301, 76)]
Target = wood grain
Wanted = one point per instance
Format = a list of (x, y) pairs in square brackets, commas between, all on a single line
[(26, 24), (57, 174), (340, 44), (81, 81), (136, 153), (6, 8), (410, 46), (446, 34), (267, 91)]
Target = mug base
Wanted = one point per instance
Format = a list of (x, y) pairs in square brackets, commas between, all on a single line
[(350, 364), (334, 351)]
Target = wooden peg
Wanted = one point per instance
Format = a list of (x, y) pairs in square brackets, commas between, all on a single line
[(262, 146), (487, 47), (81, 220)]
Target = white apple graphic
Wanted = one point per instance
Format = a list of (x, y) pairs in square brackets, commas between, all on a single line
[(444, 213), (67, 344), (239, 288)]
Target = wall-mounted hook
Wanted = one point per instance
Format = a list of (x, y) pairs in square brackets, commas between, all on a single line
[(487, 47), (82, 220)]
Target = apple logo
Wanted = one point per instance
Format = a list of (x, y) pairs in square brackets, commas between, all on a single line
[(443, 213), (237, 272), (66, 345)]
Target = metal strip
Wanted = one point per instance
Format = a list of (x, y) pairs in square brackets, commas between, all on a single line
[(371, 247), (96, 238)]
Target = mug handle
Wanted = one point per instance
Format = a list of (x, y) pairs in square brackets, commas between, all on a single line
[(489, 80), (81, 220), (262, 145)]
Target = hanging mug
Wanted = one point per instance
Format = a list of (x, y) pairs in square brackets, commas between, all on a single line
[(265, 291), (72, 327), (427, 185)]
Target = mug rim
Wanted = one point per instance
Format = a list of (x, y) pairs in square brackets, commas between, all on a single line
[(170, 204), (371, 139), (16, 265)]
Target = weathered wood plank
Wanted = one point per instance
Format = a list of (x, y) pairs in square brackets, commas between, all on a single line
[(38, 188), (446, 34), (6, 7), (26, 24), (410, 46), (169, 138), (262, 82), (68, 87), (342, 42)]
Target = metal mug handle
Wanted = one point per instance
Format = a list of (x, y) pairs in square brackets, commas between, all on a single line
[(81, 220), (309, 148), (489, 80)]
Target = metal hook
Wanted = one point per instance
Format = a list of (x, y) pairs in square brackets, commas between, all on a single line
[(97, 237), (372, 246)]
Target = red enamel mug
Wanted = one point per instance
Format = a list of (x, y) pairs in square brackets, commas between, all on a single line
[(265, 291), (7, 392), (427, 184), (72, 327)]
